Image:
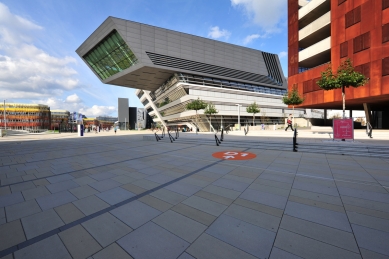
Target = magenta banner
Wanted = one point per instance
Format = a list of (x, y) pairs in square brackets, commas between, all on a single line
[(343, 128)]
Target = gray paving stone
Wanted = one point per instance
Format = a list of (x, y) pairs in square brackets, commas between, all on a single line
[(317, 197), (135, 213), (238, 178), (79, 242), (48, 248), (183, 188), (371, 239), (366, 211), (146, 184), (22, 186), (151, 241), (115, 195), (54, 200), (368, 221), (90, 205), (269, 199), (310, 248), (106, 229), (41, 223), (160, 178), (186, 256), (10, 199), (41, 182), (374, 205), (318, 215), (104, 185), (61, 186), (10, 256), (205, 205), (277, 184), (277, 253), (320, 232), (230, 184), (228, 193), (195, 214), (367, 254), (21, 210), (83, 191), (69, 213), (247, 237), (269, 175), (84, 180), (318, 204), (254, 217), (155, 203), (214, 197), (5, 190), (123, 179), (112, 251), (102, 176), (35, 193), (133, 188), (270, 189), (373, 196), (208, 247), (59, 178), (11, 234), (168, 196), (180, 225)]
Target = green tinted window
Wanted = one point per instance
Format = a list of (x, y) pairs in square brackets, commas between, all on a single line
[(110, 56)]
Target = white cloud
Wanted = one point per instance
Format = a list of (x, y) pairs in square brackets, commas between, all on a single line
[(250, 38), (74, 103), (216, 33), (282, 54), (73, 99), (27, 72), (266, 14)]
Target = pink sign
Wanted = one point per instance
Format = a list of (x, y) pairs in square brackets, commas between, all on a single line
[(343, 128)]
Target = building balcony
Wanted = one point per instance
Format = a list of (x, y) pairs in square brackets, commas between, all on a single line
[(316, 54), (312, 11), (316, 31)]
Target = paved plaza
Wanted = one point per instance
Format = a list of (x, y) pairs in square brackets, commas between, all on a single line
[(119, 196)]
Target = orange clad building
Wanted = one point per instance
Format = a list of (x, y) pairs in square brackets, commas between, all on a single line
[(324, 31)]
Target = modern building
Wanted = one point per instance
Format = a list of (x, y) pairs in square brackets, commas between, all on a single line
[(60, 119), (171, 68), (324, 31), (21, 116)]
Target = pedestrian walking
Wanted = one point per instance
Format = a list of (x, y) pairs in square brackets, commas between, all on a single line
[(289, 121), (115, 130)]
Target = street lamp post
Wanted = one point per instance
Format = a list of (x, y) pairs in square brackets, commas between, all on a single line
[(239, 115)]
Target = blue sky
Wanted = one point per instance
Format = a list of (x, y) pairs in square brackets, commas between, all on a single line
[(38, 39)]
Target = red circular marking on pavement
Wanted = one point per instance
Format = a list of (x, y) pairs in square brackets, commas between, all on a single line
[(234, 155)]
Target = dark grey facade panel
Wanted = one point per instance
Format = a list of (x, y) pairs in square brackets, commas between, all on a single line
[(123, 109), (163, 60), (272, 66)]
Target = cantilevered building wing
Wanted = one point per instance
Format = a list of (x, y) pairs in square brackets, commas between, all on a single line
[(141, 56), (171, 68)]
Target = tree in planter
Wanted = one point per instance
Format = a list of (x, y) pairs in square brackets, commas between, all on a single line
[(196, 105), (253, 108), (293, 98), (345, 77), (209, 110)]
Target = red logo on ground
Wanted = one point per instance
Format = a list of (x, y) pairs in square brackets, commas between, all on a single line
[(234, 155)]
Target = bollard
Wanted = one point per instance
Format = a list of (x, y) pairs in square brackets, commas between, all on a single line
[(295, 144)]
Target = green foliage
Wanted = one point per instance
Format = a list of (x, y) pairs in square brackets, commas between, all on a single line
[(344, 77), (166, 101), (253, 108), (196, 105), (210, 109), (292, 98)]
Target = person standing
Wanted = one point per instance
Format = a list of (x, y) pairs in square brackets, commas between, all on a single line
[(289, 122)]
